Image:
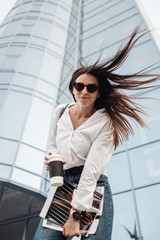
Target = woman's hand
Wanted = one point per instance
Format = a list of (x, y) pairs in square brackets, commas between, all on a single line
[(46, 160), (72, 228)]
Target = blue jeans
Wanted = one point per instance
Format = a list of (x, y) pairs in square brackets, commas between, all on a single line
[(104, 229)]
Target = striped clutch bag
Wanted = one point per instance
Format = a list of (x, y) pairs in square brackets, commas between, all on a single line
[(57, 208)]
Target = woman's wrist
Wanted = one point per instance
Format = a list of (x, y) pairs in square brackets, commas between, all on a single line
[(75, 209), (75, 214)]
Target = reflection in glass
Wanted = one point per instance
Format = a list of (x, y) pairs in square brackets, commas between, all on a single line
[(148, 201), (118, 169), (38, 124), (10, 62), (4, 171), (8, 151), (12, 28), (13, 115), (2, 95), (46, 88), (25, 80), (30, 159), (58, 35), (50, 8), (124, 215), (25, 178), (15, 50), (46, 29), (144, 135), (50, 68), (31, 61), (145, 164)]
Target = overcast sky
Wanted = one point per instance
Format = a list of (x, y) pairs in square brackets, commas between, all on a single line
[(152, 8)]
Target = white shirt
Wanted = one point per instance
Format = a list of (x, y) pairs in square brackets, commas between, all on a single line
[(91, 145)]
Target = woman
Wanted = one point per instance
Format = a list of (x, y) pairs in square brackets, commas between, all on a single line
[(87, 133)]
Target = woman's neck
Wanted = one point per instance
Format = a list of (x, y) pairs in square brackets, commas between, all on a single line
[(84, 112)]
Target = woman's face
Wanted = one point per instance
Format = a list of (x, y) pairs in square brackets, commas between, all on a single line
[(84, 97)]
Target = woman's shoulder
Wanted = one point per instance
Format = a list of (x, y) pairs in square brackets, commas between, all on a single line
[(106, 119), (60, 106), (102, 113), (59, 109)]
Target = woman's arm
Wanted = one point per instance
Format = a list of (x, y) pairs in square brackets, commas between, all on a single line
[(96, 162), (97, 159)]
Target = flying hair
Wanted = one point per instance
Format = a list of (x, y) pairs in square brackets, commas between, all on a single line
[(117, 104)]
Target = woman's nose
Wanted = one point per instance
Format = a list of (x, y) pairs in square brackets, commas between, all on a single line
[(84, 90)]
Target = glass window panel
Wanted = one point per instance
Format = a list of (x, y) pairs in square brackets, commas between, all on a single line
[(46, 88), (118, 169), (46, 29), (148, 201), (12, 12), (12, 28), (7, 156), (124, 215), (58, 35), (6, 39), (46, 186), (103, 14), (15, 50), (50, 68), (120, 147), (145, 164), (64, 13), (2, 52), (24, 7), (31, 61), (94, 41), (13, 230), (64, 98), (39, 41), (13, 115), (141, 56), (10, 62), (25, 178), (4, 171), (144, 135), (2, 29), (25, 29), (14, 204), (30, 21), (56, 48), (21, 38), (25, 80), (50, 8), (32, 226), (93, 5), (2, 95), (36, 7), (38, 124), (30, 159)]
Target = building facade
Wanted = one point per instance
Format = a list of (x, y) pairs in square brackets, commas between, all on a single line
[(40, 43)]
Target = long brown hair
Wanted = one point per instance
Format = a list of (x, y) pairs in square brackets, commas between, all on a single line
[(117, 103)]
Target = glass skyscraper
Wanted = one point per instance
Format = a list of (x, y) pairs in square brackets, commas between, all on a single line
[(40, 42)]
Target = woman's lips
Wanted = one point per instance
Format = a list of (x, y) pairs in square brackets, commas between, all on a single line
[(84, 97)]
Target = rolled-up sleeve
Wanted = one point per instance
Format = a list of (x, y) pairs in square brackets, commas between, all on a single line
[(96, 162)]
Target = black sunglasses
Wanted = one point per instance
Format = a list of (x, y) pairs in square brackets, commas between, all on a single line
[(80, 86)]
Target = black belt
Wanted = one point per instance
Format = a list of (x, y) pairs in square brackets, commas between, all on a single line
[(73, 171)]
